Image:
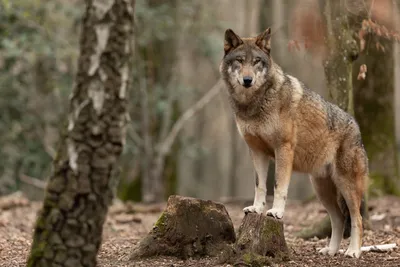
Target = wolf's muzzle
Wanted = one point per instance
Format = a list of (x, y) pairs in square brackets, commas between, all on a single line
[(247, 81)]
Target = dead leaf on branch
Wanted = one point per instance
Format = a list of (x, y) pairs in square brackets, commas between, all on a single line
[(362, 74), (361, 35), (368, 26), (379, 46)]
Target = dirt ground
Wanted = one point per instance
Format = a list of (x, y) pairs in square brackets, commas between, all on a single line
[(128, 223)]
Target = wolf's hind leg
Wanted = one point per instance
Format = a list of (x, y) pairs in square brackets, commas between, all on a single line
[(352, 169), (327, 194), (260, 162), (352, 193)]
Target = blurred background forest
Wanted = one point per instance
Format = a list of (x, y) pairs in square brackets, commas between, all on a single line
[(182, 137)]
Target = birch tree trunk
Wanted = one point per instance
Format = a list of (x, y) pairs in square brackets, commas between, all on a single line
[(69, 226)]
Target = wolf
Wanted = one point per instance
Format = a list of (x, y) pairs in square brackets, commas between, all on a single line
[(280, 119)]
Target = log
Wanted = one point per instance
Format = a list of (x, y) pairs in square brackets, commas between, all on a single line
[(188, 227), (260, 242)]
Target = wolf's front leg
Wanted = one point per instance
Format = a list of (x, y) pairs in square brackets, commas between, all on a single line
[(283, 171), (260, 162)]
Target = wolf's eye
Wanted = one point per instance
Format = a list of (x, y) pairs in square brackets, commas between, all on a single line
[(257, 60), (239, 59)]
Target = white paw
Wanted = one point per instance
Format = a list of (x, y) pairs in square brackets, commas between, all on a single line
[(353, 253), (254, 209), (328, 251), (276, 213)]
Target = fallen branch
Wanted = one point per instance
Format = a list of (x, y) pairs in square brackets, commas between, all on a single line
[(375, 248), (379, 248), (32, 181)]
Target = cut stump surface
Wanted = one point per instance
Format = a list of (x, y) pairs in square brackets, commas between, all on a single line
[(188, 227)]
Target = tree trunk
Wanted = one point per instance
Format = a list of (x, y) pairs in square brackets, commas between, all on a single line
[(338, 66), (343, 50), (159, 59), (374, 112), (69, 226)]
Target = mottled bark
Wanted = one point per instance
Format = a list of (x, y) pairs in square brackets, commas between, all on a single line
[(342, 51), (69, 227)]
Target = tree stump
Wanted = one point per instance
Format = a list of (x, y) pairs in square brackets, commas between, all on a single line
[(188, 227), (260, 242)]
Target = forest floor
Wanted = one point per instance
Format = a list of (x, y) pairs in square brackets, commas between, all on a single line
[(128, 223)]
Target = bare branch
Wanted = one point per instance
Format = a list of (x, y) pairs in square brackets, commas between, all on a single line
[(135, 137), (32, 181), (147, 140), (50, 150), (166, 145)]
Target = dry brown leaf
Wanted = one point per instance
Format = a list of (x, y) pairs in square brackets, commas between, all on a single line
[(362, 74)]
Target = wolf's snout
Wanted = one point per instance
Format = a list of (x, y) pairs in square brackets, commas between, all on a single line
[(247, 81)]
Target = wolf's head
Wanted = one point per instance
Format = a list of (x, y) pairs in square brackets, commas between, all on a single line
[(246, 63)]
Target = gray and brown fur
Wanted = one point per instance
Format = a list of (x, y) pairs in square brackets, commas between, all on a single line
[(281, 119)]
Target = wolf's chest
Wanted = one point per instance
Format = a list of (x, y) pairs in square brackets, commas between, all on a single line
[(265, 128), (259, 136)]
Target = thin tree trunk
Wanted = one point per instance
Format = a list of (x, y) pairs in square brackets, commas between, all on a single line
[(160, 58), (234, 158), (343, 50), (69, 226)]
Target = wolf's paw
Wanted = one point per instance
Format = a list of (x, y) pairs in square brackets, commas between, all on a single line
[(254, 209), (353, 253), (328, 251), (276, 213)]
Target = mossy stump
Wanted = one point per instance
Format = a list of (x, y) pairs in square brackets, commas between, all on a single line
[(188, 227), (260, 242)]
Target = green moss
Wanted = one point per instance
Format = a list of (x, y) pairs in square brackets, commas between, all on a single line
[(40, 239), (36, 254), (161, 223), (256, 260), (269, 230), (38, 247)]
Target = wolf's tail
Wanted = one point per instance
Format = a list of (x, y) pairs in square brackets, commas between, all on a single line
[(346, 213)]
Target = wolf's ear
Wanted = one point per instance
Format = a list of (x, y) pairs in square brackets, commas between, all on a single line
[(263, 40), (232, 40)]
